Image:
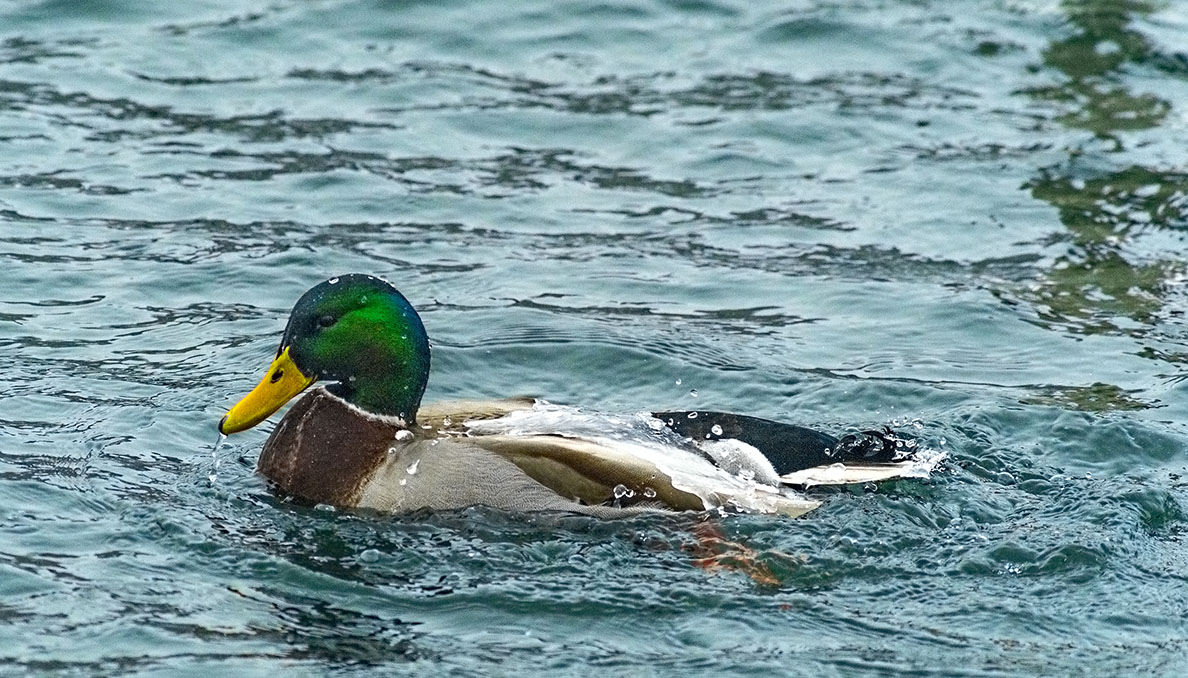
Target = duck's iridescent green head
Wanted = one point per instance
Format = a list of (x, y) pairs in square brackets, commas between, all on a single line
[(356, 331)]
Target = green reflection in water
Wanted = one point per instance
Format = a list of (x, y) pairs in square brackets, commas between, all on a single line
[(1094, 288), (1090, 59), (1096, 397), (1101, 285)]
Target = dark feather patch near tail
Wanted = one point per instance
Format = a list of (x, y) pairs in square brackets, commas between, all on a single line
[(873, 447), (788, 447)]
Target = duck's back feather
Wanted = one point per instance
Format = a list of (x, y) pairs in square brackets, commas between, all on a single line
[(450, 414)]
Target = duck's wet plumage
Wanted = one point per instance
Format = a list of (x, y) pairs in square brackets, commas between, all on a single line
[(364, 440)]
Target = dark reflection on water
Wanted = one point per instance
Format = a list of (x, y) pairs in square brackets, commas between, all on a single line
[(647, 95), (515, 171)]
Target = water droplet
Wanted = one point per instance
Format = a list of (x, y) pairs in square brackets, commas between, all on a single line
[(363, 299), (692, 415), (622, 490), (446, 422), (404, 435), (655, 424), (692, 393), (678, 382), (334, 281), (403, 481), (325, 508), (369, 556), (412, 468), (649, 492), (716, 430)]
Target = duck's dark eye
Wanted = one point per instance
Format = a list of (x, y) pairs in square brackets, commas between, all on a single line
[(326, 321)]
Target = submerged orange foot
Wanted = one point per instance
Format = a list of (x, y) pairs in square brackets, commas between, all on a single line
[(713, 551)]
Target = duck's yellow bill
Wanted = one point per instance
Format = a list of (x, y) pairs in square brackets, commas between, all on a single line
[(279, 385)]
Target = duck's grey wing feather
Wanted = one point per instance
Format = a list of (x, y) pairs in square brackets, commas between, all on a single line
[(453, 473), (588, 470)]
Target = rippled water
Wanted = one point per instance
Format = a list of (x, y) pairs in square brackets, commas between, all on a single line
[(966, 215)]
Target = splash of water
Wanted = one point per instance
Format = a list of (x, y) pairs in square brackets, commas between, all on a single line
[(214, 457)]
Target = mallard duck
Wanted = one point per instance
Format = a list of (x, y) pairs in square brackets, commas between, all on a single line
[(364, 439)]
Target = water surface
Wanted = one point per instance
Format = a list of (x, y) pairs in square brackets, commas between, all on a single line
[(962, 216)]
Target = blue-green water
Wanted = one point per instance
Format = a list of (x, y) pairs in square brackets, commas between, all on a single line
[(965, 215)]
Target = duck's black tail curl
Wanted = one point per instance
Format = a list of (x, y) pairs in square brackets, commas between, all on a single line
[(880, 446), (788, 447)]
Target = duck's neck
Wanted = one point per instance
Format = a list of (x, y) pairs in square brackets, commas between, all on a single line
[(325, 469), (390, 397)]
